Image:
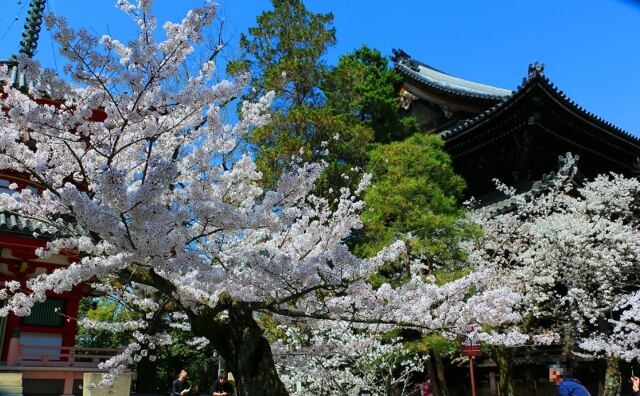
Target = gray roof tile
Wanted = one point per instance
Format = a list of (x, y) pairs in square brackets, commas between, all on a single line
[(11, 223), (446, 82)]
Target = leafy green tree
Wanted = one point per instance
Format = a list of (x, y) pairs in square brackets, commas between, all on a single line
[(348, 116), (102, 309), (284, 54), (284, 51), (362, 102), (414, 196), (360, 107), (364, 88)]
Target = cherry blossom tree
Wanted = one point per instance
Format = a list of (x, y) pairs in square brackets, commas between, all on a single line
[(338, 358), (572, 252), (142, 175)]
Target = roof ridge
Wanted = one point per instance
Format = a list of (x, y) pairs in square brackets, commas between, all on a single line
[(445, 82), (538, 76)]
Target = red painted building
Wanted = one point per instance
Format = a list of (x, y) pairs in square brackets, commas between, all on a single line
[(38, 355)]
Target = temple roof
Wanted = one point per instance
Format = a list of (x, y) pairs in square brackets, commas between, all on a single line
[(514, 136), (16, 73), (18, 225), (444, 82), (538, 79)]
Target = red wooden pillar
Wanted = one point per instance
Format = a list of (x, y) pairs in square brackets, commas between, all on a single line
[(13, 349), (473, 377), (13, 324), (68, 384), (71, 326)]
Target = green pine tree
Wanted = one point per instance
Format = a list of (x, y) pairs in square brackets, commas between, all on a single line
[(348, 117), (414, 196)]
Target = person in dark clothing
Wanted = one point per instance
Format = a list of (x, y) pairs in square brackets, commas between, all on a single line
[(566, 386), (181, 386), (221, 387)]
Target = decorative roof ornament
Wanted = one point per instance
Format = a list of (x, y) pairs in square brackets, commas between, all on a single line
[(406, 99), (32, 27), (399, 55), (536, 69)]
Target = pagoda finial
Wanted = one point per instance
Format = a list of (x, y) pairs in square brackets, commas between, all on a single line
[(536, 69), (32, 27)]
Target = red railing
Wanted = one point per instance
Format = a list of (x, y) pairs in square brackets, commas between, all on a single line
[(63, 356)]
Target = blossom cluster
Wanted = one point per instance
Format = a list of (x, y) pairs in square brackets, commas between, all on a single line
[(571, 252), (338, 358)]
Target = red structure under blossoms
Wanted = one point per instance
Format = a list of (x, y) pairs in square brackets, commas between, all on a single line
[(40, 347), (38, 353)]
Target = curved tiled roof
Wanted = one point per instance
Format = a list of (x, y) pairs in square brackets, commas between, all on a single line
[(17, 75), (447, 83), (12, 223), (539, 78)]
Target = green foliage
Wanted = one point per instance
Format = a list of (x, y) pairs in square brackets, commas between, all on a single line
[(448, 274), (433, 343), (361, 99), (363, 88), (415, 192), (105, 310), (284, 51), (349, 118), (199, 364), (360, 107), (301, 133)]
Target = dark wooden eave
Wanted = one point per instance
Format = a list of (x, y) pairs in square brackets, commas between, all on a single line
[(519, 139)]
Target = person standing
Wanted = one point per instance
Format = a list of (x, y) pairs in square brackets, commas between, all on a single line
[(566, 386), (221, 387), (181, 386)]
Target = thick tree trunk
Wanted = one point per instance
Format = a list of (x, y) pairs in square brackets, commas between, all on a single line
[(502, 357), (147, 376), (444, 389), (249, 358), (246, 352), (613, 378), (435, 388)]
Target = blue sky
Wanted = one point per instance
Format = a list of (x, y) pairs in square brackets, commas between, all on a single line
[(591, 48)]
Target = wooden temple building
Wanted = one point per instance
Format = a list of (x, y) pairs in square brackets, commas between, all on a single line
[(38, 353), (515, 135)]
